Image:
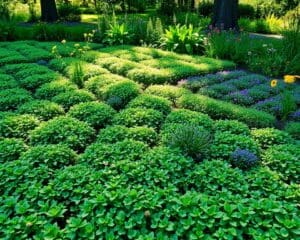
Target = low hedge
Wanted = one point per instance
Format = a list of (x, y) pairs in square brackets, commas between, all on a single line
[(11, 149), (7, 82), (11, 99), (222, 110), (231, 126)]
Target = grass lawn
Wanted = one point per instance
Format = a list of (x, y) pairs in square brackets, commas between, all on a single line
[(138, 143)]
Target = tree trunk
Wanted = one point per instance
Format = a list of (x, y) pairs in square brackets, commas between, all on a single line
[(225, 15), (49, 11)]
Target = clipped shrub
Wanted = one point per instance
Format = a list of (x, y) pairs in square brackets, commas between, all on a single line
[(117, 133), (184, 116), (119, 94), (71, 98), (101, 155), (7, 82), (11, 99), (151, 102), (42, 109), (284, 159), (224, 144), (293, 128), (267, 137), (170, 92), (132, 117), (243, 159), (32, 82), (18, 126), (49, 90), (63, 130), (11, 149), (231, 126), (192, 140), (148, 76), (222, 110), (96, 114), (53, 156)]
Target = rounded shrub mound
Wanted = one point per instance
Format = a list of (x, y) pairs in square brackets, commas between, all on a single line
[(224, 144), (152, 102), (42, 109), (71, 98), (119, 94), (31, 83), (7, 82), (132, 117), (293, 128), (49, 90), (267, 137), (284, 159), (116, 133), (231, 126), (100, 155), (11, 99), (18, 126), (63, 130), (96, 114), (172, 93), (53, 156), (192, 140), (184, 116), (11, 149)]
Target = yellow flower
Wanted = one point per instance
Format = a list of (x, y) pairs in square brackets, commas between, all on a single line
[(289, 79), (63, 41), (273, 83)]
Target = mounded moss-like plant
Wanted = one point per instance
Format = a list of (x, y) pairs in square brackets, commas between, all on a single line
[(34, 81), (71, 98), (192, 140), (293, 128), (225, 143), (11, 99), (231, 126), (101, 155), (49, 90), (63, 130), (11, 149), (7, 82), (18, 126), (284, 159), (53, 156), (184, 116), (148, 75), (98, 115), (119, 94), (151, 102), (42, 109), (132, 117), (117, 133), (267, 137)]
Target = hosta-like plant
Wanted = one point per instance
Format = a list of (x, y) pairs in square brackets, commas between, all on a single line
[(183, 39)]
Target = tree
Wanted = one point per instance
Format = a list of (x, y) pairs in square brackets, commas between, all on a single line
[(225, 15), (49, 11)]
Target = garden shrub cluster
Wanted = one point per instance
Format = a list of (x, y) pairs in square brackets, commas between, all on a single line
[(116, 159)]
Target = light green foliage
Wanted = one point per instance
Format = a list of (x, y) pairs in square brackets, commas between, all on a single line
[(231, 126)]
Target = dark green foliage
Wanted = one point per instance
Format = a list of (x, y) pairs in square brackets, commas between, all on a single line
[(267, 137), (284, 159), (220, 110), (42, 109), (63, 130), (132, 117), (98, 115), (192, 140), (231, 126), (53, 156), (18, 126), (11, 99), (7, 82), (49, 90), (116, 133), (293, 128), (69, 12), (224, 144), (71, 98), (11, 149), (184, 116), (119, 94), (151, 102), (34, 81), (77, 76), (101, 155)]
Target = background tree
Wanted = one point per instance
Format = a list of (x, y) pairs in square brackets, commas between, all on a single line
[(225, 15), (49, 11)]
